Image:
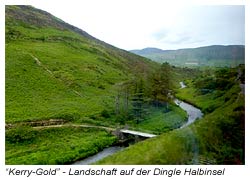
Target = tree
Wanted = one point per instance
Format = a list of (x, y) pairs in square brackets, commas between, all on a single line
[(139, 101), (122, 102), (161, 84)]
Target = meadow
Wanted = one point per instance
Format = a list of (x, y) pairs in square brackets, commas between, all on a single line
[(51, 146)]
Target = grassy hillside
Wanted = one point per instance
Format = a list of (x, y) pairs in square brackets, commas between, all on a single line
[(215, 56), (54, 70)]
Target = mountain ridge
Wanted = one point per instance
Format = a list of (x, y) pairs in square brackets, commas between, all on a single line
[(201, 55), (30, 16)]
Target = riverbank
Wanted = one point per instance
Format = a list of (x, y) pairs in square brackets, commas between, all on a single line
[(217, 138), (50, 146), (192, 112)]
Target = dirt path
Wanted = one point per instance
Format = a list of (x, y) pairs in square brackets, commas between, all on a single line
[(55, 123), (39, 63), (58, 123), (75, 125)]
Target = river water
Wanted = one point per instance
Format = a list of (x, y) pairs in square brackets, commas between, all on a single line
[(193, 114), (104, 153), (182, 85)]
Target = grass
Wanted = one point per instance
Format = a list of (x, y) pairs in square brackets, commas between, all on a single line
[(170, 148), (77, 74), (56, 73), (64, 145), (218, 137), (160, 120), (207, 103), (54, 95)]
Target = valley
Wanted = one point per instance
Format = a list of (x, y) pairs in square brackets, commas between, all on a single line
[(70, 96)]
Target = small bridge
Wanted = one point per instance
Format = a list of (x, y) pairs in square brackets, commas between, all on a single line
[(137, 133), (128, 136)]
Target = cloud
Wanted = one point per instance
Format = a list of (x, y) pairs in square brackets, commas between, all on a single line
[(175, 37), (203, 25), (161, 25), (160, 34)]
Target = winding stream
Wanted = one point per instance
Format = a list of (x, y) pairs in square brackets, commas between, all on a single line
[(104, 153), (193, 114), (182, 85)]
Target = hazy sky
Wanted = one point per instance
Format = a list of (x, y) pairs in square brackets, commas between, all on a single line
[(139, 24)]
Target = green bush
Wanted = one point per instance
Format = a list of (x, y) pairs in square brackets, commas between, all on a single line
[(20, 134), (69, 116), (105, 114)]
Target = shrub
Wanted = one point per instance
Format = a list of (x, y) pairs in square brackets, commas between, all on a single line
[(70, 116), (105, 114), (21, 134)]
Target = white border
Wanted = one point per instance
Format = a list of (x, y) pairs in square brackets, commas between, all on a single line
[(2, 86), (240, 172)]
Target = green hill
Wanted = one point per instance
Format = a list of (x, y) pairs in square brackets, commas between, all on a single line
[(55, 70), (217, 55), (58, 74)]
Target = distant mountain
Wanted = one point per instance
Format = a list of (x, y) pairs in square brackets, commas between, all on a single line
[(216, 55)]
